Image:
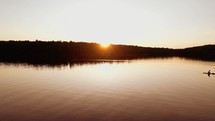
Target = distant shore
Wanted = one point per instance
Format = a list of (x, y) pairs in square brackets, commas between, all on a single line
[(63, 52)]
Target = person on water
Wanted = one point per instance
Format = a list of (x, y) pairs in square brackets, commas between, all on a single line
[(209, 71)]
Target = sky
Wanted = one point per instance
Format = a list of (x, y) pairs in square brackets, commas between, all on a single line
[(154, 23)]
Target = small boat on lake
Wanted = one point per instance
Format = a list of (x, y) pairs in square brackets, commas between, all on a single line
[(209, 73)]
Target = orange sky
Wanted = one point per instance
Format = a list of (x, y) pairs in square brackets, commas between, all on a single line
[(156, 23)]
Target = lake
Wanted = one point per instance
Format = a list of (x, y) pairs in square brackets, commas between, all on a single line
[(163, 89)]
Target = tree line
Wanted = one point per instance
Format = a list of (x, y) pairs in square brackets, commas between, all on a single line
[(62, 52)]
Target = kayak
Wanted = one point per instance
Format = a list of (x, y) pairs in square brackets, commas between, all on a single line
[(208, 73)]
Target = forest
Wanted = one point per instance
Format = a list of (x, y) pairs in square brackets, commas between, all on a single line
[(64, 52)]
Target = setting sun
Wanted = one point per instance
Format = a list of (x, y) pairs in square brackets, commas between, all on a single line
[(105, 45)]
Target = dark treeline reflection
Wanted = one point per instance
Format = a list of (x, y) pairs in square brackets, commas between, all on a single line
[(40, 52), (71, 64)]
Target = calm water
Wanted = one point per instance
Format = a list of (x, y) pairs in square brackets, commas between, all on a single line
[(171, 89)]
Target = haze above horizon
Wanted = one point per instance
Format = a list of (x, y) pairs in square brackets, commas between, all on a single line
[(154, 23)]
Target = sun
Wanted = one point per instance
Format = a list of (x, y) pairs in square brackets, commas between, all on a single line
[(105, 45)]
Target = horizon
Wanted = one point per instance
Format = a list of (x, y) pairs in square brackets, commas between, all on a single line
[(104, 45), (155, 23)]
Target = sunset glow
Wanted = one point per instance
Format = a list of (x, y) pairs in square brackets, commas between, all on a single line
[(107, 60), (105, 45), (153, 23)]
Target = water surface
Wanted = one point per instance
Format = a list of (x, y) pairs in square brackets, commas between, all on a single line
[(171, 89)]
